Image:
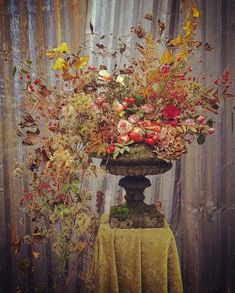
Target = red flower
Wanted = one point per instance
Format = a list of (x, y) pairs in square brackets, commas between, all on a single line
[(171, 114), (110, 149), (171, 111)]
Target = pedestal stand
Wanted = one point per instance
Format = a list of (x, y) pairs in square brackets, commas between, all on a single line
[(136, 164)]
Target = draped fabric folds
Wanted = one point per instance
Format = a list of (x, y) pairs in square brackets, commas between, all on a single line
[(198, 193), (136, 260)]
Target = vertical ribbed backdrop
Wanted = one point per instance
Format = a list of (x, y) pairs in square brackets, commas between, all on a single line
[(198, 193)]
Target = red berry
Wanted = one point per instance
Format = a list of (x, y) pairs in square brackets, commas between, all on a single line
[(131, 101), (149, 141), (155, 137), (149, 135)]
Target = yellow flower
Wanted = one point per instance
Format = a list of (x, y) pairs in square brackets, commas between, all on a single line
[(80, 62), (59, 64), (195, 12)]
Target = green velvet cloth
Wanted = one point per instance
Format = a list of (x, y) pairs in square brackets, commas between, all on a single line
[(136, 260)]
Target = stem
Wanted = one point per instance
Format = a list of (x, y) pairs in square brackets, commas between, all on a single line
[(34, 71)]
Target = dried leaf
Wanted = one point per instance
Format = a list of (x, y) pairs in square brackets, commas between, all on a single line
[(36, 254), (27, 141), (100, 46), (14, 71), (195, 12), (33, 133), (28, 118), (139, 31), (37, 237), (161, 26), (122, 48), (149, 16), (197, 44), (18, 132), (91, 28), (208, 47)]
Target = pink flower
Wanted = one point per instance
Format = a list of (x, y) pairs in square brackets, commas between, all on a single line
[(189, 122), (134, 119), (124, 127), (211, 130), (148, 108), (201, 118)]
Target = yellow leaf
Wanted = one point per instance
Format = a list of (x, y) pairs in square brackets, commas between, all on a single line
[(177, 41), (55, 52), (195, 12), (59, 64), (188, 27), (80, 62), (52, 54), (182, 55), (167, 58), (63, 48)]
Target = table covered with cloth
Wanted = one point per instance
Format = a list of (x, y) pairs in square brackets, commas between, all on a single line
[(136, 260)]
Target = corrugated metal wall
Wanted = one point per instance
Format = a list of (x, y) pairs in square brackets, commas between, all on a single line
[(198, 193)]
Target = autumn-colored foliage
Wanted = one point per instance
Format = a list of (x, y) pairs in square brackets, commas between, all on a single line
[(153, 98)]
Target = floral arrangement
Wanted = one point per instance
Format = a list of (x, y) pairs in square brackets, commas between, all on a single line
[(154, 99)]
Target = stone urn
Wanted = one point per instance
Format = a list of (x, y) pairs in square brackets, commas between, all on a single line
[(135, 165)]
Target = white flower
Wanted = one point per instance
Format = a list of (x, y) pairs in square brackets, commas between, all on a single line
[(124, 127), (104, 75), (120, 80)]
